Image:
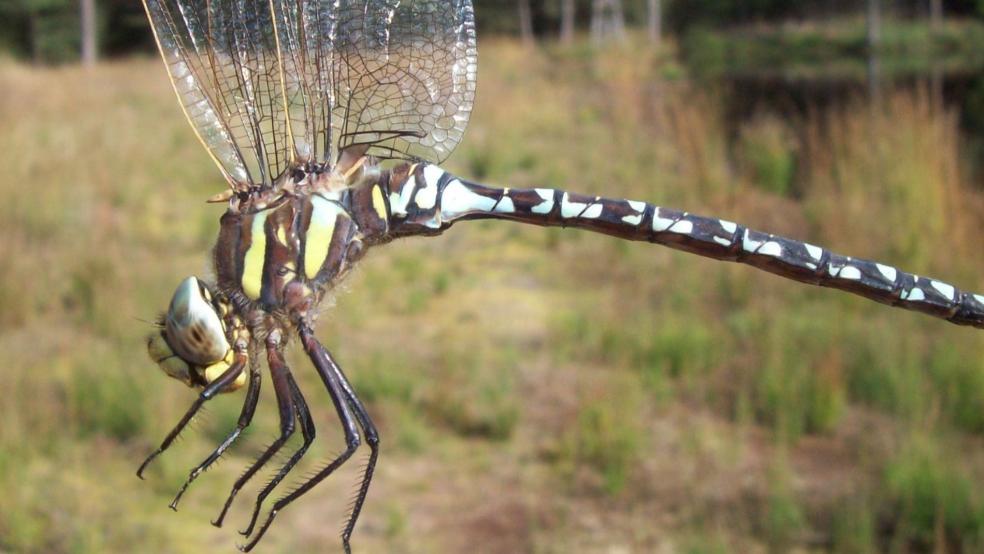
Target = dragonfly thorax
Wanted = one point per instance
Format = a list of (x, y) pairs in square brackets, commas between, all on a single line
[(279, 251)]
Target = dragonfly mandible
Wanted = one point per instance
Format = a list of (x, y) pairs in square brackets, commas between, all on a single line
[(326, 119)]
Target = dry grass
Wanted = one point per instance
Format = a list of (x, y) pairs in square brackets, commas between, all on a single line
[(611, 396)]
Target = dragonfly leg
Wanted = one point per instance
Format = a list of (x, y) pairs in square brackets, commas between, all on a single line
[(245, 418), (372, 439), (308, 431), (323, 363), (228, 377), (279, 376)]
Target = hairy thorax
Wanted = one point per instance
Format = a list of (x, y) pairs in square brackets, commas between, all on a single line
[(280, 249)]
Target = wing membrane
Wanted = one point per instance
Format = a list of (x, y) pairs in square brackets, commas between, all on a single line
[(222, 60), (398, 76), (271, 83)]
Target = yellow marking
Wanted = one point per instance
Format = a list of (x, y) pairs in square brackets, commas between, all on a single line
[(324, 214), (282, 235), (214, 371), (221, 197), (378, 203), (252, 279), (237, 384)]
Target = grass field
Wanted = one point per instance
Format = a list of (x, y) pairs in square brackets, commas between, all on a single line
[(537, 390)]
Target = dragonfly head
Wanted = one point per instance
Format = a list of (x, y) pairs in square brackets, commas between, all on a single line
[(192, 344)]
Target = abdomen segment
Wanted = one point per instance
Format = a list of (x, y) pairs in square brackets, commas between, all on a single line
[(429, 200)]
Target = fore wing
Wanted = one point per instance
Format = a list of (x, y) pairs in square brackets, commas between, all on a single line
[(397, 76), (222, 59), (268, 84)]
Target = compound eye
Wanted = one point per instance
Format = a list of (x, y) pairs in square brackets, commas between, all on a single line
[(192, 326)]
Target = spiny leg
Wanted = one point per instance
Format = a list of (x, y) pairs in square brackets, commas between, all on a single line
[(285, 403), (245, 418), (307, 430), (322, 363), (227, 378), (372, 439)]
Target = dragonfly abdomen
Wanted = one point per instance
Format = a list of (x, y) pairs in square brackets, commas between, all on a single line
[(429, 200)]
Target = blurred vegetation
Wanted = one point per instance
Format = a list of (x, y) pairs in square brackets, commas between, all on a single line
[(836, 47), (537, 390), (758, 32), (49, 31)]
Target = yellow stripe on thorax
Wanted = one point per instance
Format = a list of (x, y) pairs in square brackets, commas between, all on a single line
[(252, 279), (378, 203), (324, 214)]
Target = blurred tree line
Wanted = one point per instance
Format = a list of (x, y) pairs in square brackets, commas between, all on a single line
[(51, 31)]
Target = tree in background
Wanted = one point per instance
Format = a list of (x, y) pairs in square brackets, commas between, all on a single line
[(607, 20), (874, 24), (88, 31), (42, 30), (936, 13), (655, 21), (568, 15), (62, 31), (525, 22)]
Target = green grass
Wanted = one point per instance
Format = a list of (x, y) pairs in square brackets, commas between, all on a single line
[(605, 436), (934, 500), (767, 148), (783, 519), (854, 527), (703, 544), (609, 394), (470, 402)]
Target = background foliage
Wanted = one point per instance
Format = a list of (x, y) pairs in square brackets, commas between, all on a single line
[(47, 31)]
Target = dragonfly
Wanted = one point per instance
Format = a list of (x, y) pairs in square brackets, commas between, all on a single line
[(328, 120)]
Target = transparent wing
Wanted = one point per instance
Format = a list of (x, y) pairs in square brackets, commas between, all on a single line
[(221, 56), (396, 76)]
